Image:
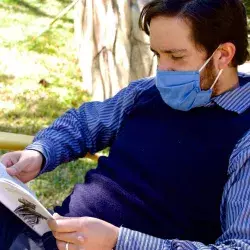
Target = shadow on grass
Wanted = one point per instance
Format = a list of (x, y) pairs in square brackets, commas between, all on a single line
[(30, 8), (36, 111), (27, 121), (16, 5), (6, 79), (48, 43), (60, 1), (65, 1)]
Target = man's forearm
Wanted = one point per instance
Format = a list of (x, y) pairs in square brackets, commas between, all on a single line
[(80, 131), (129, 239)]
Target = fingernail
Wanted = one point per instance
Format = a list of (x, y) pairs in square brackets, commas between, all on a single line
[(80, 238), (56, 215)]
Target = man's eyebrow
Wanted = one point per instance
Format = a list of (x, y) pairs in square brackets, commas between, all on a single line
[(171, 51)]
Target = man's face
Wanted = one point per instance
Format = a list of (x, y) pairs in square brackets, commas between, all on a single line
[(170, 40)]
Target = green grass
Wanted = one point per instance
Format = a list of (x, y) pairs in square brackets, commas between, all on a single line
[(52, 188), (27, 106)]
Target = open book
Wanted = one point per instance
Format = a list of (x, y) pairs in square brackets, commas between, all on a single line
[(18, 198)]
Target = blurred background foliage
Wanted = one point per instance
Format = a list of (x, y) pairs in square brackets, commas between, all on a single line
[(247, 3)]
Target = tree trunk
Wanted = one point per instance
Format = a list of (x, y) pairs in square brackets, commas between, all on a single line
[(112, 50)]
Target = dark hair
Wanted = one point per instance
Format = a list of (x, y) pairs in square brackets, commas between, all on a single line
[(213, 22)]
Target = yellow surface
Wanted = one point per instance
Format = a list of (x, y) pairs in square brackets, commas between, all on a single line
[(10, 141)]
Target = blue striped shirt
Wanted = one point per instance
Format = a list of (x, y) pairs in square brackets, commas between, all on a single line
[(95, 125)]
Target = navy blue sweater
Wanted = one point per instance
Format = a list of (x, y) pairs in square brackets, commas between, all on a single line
[(165, 172)]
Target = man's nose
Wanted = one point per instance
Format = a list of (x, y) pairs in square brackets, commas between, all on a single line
[(164, 65)]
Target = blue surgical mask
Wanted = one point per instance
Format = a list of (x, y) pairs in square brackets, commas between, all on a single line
[(181, 89)]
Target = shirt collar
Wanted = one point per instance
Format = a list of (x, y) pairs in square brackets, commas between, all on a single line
[(236, 100)]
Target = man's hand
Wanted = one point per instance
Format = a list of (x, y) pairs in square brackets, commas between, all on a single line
[(25, 165), (84, 233)]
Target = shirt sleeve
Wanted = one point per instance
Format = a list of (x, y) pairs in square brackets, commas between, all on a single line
[(235, 218), (90, 128)]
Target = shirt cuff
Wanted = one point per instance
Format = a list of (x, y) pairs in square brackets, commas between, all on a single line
[(129, 239)]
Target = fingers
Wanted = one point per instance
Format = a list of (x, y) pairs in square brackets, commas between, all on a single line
[(74, 238), (66, 225), (15, 170), (10, 159)]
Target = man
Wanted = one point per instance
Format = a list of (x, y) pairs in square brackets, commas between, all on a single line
[(179, 166)]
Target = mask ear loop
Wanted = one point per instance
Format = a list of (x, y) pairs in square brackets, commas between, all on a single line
[(208, 60), (217, 78), (206, 63)]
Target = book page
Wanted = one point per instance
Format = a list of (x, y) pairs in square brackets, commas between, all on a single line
[(5, 175), (23, 204)]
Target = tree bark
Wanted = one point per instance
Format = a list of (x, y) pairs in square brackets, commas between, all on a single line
[(112, 50)]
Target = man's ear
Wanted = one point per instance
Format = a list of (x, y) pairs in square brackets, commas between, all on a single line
[(225, 55)]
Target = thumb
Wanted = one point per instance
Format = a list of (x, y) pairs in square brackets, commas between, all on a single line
[(15, 170)]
